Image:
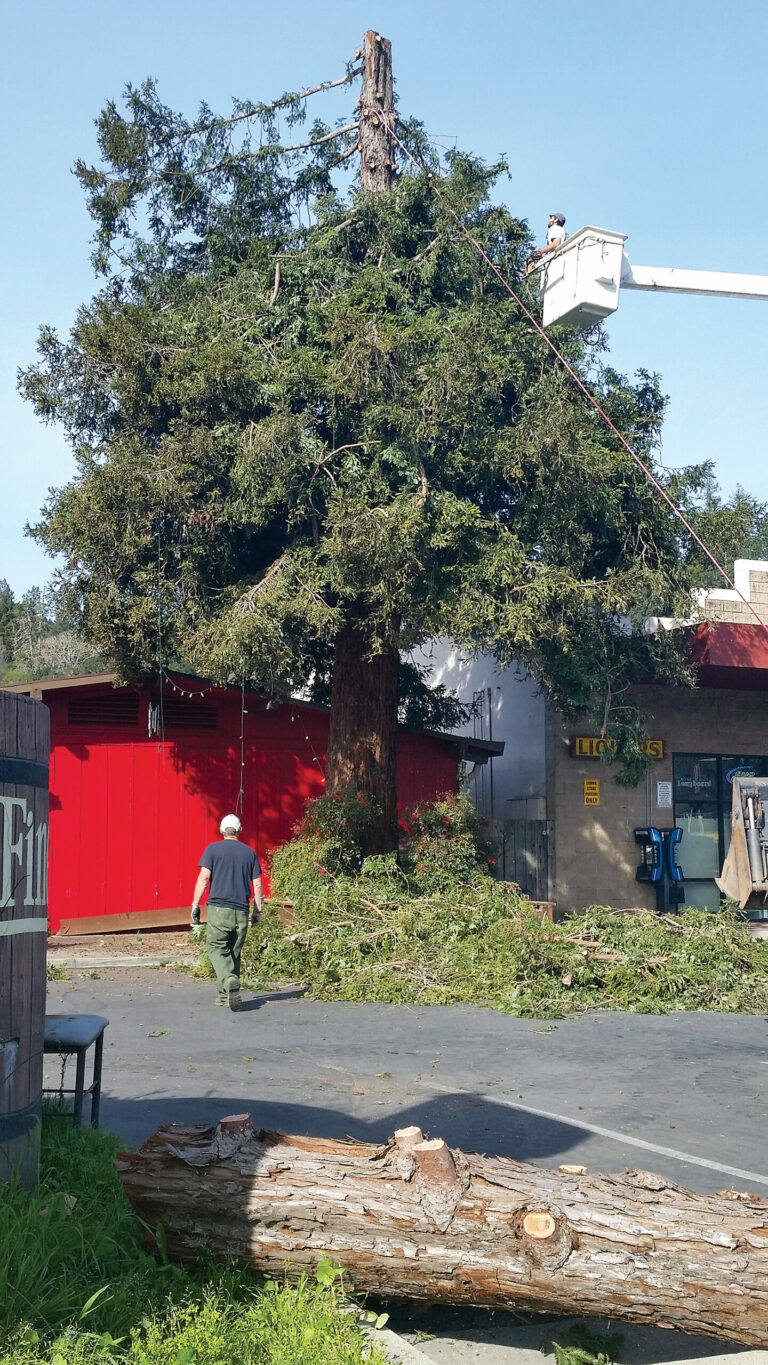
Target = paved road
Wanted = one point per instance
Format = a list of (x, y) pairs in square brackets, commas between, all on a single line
[(681, 1094)]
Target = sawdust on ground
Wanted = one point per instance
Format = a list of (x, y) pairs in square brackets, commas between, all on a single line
[(142, 944)]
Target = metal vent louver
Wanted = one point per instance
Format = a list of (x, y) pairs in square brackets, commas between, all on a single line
[(120, 708), (186, 714)]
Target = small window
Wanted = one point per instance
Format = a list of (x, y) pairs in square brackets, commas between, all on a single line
[(695, 777), (118, 708)]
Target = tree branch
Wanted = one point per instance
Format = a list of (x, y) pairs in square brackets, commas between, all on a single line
[(422, 498), (276, 286), (269, 150), (261, 109)]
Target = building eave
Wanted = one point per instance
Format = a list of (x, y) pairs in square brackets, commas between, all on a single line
[(464, 746)]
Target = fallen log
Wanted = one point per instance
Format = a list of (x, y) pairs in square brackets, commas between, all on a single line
[(415, 1219)]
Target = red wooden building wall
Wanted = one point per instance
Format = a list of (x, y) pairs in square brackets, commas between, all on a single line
[(131, 812)]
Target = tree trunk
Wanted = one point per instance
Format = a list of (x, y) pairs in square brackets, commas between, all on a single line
[(415, 1220), (377, 160), (362, 736)]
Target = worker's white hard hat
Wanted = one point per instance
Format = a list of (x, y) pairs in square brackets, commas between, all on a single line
[(230, 825)]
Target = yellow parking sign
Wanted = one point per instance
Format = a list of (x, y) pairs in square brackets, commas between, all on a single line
[(591, 791)]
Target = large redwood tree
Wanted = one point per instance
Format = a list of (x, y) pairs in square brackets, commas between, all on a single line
[(313, 430)]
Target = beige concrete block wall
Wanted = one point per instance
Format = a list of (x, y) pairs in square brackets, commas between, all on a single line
[(595, 851), (723, 604)]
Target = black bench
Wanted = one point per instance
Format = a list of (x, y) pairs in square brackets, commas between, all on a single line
[(72, 1035)]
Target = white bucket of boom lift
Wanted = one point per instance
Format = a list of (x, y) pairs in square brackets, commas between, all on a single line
[(744, 877), (580, 283)]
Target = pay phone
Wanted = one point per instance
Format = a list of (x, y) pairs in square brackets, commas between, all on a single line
[(659, 863)]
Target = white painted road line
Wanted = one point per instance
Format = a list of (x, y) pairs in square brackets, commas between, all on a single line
[(611, 1133)]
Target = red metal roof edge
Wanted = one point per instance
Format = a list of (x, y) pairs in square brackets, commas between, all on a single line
[(736, 645), (100, 679)]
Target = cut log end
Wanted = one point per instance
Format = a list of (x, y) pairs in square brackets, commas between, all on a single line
[(434, 1160), (407, 1138), (236, 1123), (539, 1225)]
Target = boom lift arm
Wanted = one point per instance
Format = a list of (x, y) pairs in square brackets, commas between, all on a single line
[(581, 282)]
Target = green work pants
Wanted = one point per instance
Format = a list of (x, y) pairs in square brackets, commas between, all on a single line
[(225, 935)]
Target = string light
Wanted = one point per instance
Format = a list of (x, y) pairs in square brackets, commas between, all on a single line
[(315, 758), (184, 691), (243, 714), (201, 692)]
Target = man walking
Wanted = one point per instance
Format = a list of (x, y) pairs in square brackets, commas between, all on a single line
[(228, 868)]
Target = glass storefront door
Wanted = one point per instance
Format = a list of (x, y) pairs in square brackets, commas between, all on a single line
[(703, 789)]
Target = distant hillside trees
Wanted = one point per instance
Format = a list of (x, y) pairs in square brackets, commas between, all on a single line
[(38, 639)]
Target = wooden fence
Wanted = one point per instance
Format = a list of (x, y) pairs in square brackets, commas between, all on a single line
[(528, 857)]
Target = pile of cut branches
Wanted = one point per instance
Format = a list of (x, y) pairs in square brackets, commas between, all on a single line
[(366, 938), (434, 928)]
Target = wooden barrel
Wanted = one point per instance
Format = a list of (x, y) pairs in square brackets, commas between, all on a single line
[(24, 753)]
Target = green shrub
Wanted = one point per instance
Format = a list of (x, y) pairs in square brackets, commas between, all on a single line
[(447, 843), (326, 842), (443, 844)]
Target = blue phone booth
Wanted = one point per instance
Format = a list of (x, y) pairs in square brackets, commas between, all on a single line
[(660, 864)]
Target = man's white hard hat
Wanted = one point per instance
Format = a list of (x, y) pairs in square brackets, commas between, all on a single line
[(230, 825)]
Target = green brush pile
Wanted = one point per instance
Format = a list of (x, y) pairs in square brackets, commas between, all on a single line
[(438, 930)]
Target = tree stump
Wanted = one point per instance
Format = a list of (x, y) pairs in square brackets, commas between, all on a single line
[(415, 1219)]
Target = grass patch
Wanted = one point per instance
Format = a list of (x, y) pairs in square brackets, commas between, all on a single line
[(78, 1288)]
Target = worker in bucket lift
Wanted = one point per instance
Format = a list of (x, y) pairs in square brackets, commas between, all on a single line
[(228, 869), (556, 235)]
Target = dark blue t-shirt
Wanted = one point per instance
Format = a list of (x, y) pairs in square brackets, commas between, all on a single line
[(233, 866)]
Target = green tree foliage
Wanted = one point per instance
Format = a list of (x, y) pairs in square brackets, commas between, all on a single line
[(736, 528), (299, 411), (7, 614)]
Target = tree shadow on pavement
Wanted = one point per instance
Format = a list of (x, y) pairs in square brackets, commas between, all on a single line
[(472, 1122)]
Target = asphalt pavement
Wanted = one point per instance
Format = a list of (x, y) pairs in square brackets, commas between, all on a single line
[(681, 1094)]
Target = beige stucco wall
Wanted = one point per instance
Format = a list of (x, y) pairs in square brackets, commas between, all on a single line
[(595, 851)]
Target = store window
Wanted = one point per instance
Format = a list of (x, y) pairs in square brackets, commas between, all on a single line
[(703, 788)]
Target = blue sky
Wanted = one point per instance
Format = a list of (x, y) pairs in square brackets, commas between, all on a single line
[(644, 117)]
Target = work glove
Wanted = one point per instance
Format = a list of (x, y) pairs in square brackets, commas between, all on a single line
[(194, 917), (254, 916)]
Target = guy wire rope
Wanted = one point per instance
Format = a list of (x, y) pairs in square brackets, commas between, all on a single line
[(650, 476)]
